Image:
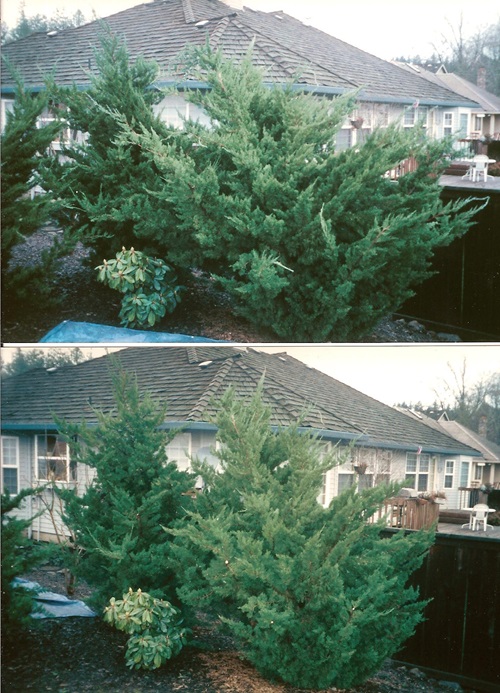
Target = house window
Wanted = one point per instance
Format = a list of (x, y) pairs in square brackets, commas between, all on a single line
[(417, 470), (449, 472), (7, 107), (409, 118), (47, 117), (478, 473), (179, 451), (174, 110), (464, 474), (382, 116), (365, 481), (478, 123), (53, 460), (448, 124), (343, 139), (10, 464), (345, 481), (322, 495), (417, 114), (383, 478), (464, 124)]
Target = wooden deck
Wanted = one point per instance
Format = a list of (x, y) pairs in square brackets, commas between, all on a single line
[(449, 528), (459, 183)]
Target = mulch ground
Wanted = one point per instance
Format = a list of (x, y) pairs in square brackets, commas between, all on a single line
[(75, 655), (205, 310)]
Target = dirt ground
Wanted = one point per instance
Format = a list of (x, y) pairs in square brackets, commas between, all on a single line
[(75, 655), (204, 310)]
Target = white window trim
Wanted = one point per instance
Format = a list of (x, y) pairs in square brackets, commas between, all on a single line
[(11, 466), (448, 127), (419, 458), (65, 481), (185, 450), (448, 474)]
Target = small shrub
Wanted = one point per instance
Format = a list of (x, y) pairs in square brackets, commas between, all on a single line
[(154, 627), (149, 286)]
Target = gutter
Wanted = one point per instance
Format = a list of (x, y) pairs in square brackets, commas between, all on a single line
[(362, 94), (361, 440)]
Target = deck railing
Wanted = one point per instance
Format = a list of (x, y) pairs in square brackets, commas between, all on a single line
[(409, 513), (406, 166)]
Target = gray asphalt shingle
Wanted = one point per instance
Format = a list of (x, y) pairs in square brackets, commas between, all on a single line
[(190, 379), (284, 48)]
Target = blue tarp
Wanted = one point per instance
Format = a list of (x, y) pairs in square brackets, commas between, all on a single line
[(87, 332), (54, 605)]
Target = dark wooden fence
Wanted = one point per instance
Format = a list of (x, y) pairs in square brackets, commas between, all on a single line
[(464, 294), (460, 637)]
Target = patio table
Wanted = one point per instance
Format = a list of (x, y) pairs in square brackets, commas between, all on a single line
[(471, 512)]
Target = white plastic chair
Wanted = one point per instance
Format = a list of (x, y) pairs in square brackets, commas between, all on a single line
[(480, 515), (480, 167)]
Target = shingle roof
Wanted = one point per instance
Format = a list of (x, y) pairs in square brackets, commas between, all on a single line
[(187, 379), (486, 101), (285, 48), (489, 450)]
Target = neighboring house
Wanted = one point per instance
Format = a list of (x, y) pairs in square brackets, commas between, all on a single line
[(287, 50), (474, 124), (386, 443), (471, 475)]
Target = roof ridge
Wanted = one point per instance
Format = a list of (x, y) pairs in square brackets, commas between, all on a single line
[(218, 31), (188, 11), (319, 407), (308, 60), (213, 386)]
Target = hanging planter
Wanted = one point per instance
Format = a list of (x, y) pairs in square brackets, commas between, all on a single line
[(360, 468)]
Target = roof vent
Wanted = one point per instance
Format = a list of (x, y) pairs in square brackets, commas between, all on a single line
[(52, 369), (279, 16), (52, 33), (204, 364), (202, 22)]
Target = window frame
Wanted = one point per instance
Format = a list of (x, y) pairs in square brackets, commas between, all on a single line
[(449, 476), (70, 466), (346, 476), (420, 473), (185, 451), (10, 466), (448, 128)]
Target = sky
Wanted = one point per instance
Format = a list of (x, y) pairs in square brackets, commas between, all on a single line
[(392, 373), (386, 28)]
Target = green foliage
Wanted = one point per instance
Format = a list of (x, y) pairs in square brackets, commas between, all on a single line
[(19, 554), (154, 627), (102, 181), (296, 583), (27, 359), (317, 245), (135, 492), (148, 283), (24, 154), (25, 162)]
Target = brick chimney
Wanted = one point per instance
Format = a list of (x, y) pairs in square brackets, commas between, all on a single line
[(481, 77)]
